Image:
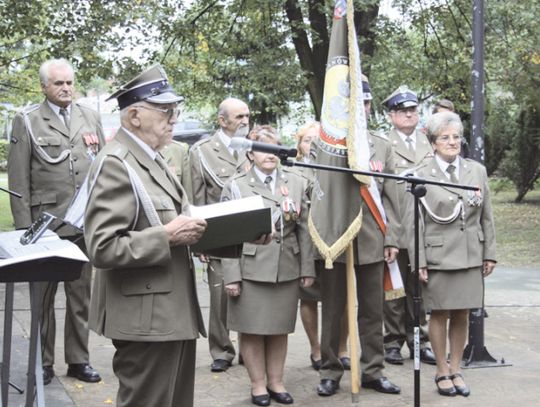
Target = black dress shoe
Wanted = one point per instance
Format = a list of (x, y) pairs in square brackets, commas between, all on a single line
[(315, 364), (449, 391), (346, 362), (83, 372), (382, 385), (461, 390), (48, 374), (261, 400), (282, 398), (327, 387), (220, 365), (426, 356), (393, 356)]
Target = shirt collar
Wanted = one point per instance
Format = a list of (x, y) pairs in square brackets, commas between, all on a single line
[(146, 148), (262, 176), (56, 108), (403, 136), (443, 165)]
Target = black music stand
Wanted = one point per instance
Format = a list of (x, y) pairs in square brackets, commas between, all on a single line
[(418, 190), (51, 268)]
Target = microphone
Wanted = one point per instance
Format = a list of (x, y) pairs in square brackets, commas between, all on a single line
[(239, 143)]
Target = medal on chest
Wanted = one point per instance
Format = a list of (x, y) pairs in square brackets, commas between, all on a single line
[(91, 142), (289, 209), (475, 198)]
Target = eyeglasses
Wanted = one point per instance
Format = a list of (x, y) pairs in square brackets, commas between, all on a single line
[(170, 112), (447, 139)]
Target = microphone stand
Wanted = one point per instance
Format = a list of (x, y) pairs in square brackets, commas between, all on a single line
[(418, 189)]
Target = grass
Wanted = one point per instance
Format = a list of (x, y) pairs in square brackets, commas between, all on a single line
[(517, 225)]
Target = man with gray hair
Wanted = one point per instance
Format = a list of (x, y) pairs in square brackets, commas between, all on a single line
[(212, 163), (52, 147), (137, 232)]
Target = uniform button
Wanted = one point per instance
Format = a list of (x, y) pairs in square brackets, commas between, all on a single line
[(75, 158), (73, 146), (148, 286), (278, 240), (76, 172)]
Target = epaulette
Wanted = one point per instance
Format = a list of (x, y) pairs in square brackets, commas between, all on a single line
[(185, 146), (29, 109), (119, 151), (201, 142), (379, 134), (83, 106)]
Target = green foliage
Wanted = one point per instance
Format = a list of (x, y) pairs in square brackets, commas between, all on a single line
[(4, 145)]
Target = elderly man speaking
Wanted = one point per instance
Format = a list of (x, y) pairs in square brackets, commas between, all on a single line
[(137, 234)]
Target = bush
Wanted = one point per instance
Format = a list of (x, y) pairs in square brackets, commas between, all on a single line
[(4, 145)]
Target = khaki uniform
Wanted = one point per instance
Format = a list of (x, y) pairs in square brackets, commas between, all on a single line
[(176, 156), (144, 295), (211, 166), (287, 258), (399, 313), (369, 268), (47, 164)]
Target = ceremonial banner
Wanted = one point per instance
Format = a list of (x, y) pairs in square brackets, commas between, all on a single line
[(336, 213)]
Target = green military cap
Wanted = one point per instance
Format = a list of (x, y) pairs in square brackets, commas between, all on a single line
[(150, 86)]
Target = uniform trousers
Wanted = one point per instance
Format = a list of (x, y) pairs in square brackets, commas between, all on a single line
[(152, 374), (219, 342), (369, 292), (76, 319), (399, 313)]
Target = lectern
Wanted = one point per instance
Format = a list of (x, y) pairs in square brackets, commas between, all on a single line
[(57, 260)]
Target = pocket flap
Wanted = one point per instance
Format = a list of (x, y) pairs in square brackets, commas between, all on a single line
[(163, 202), (48, 141), (249, 249), (146, 281), (43, 199), (434, 240)]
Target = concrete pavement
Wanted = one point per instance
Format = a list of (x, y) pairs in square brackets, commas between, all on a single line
[(511, 332)]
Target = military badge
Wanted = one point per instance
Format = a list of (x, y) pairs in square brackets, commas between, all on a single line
[(92, 144), (475, 198), (376, 165)]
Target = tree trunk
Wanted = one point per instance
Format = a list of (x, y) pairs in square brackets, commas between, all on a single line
[(313, 57)]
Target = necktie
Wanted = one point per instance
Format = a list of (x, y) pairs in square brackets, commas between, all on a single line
[(268, 182), (409, 141), (65, 116), (235, 155), (451, 170), (165, 168)]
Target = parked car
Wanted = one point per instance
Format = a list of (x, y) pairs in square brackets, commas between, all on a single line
[(190, 131)]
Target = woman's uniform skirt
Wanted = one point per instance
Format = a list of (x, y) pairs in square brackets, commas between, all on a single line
[(264, 308), (454, 289)]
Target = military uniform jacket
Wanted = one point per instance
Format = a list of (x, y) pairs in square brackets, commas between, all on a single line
[(290, 254), (370, 241), (176, 156), (145, 289), (469, 239), (47, 185), (405, 160), (211, 166)]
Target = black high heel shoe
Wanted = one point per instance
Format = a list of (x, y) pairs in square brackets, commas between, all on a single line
[(315, 364), (260, 400), (451, 391), (282, 398), (462, 390)]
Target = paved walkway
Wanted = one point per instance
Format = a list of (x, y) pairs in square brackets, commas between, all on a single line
[(511, 332)]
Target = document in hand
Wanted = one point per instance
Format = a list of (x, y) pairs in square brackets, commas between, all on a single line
[(232, 222)]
